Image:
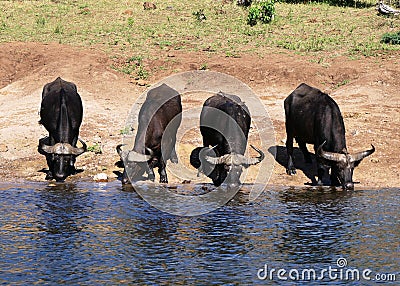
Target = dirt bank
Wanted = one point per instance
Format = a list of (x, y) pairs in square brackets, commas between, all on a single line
[(365, 89)]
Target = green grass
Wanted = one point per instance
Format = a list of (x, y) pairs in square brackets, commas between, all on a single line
[(95, 148), (124, 26)]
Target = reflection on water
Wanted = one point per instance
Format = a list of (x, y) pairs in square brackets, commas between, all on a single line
[(100, 234)]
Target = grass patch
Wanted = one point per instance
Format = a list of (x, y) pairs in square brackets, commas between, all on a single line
[(124, 26), (391, 38), (95, 148), (133, 66)]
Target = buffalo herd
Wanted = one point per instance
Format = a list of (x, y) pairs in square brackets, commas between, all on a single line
[(312, 117)]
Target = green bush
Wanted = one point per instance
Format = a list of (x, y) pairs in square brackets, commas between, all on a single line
[(263, 11), (391, 38)]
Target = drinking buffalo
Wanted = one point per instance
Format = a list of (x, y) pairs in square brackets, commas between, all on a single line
[(159, 119), (314, 117), (61, 114), (224, 126)]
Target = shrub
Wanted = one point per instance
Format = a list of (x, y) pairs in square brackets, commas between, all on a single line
[(391, 38), (263, 11)]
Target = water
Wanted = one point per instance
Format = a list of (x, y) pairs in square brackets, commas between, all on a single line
[(101, 234)]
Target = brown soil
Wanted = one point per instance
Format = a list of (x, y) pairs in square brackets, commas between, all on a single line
[(365, 89)]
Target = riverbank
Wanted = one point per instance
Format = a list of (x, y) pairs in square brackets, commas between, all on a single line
[(365, 89)]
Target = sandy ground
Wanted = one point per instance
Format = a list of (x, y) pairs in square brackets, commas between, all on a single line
[(367, 91)]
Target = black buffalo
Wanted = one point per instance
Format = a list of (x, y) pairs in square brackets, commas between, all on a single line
[(224, 126), (159, 119), (61, 114), (314, 117)]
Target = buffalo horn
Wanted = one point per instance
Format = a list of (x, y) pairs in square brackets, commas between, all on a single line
[(78, 151), (256, 160), (64, 149), (119, 150), (337, 157), (236, 159), (217, 160), (361, 155), (134, 156)]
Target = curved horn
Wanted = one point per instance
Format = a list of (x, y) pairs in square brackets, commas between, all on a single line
[(150, 151), (361, 155), (119, 149), (215, 160), (218, 160), (46, 148), (237, 159), (78, 151), (337, 157), (134, 156), (256, 160), (240, 159), (63, 149)]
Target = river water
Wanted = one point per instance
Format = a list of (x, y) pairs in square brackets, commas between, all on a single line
[(102, 234)]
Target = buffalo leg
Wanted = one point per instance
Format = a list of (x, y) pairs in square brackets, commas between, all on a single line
[(306, 154), (162, 172), (290, 170), (174, 156), (322, 169), (125, 179), (150, 174)]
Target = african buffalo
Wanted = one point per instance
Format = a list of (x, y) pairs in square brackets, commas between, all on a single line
[(159, 119), (61, 114), (314, 117), (224, 126)]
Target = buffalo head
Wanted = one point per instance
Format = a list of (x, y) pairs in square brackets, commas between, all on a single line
[(135, 162), (60, 158), (222, 168), (344, 163)]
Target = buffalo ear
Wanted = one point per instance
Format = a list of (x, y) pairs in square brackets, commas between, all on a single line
[(195, 157), (43, 142), (120, 164)]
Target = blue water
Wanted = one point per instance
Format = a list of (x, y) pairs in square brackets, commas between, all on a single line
[(102, 234)]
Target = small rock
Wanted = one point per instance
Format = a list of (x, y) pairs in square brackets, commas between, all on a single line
[(149, 6), (101, 177), (374, 160), (141, 82), (3, 148)]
